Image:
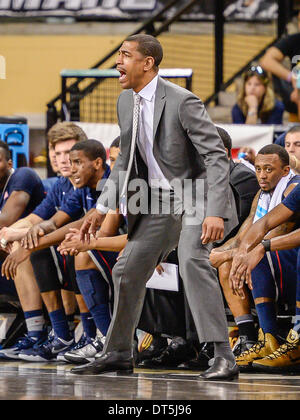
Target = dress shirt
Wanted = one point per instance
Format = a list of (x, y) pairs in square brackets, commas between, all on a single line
[(156, 178), (145, 136)]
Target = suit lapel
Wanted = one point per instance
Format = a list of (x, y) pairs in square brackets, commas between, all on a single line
[(125, 118), (160, 100)]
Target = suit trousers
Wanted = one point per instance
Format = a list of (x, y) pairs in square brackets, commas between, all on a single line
[(153, 239)]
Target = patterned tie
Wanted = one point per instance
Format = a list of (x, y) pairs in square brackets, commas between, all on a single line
[(135, 120)]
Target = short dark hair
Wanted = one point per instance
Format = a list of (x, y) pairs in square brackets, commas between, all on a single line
[(275, 149), (295, 129), (116, 142), (226, 139), (149, 46), (6, 150), (92, 149)]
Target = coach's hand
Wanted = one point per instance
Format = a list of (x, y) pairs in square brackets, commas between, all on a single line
[(212, 229)]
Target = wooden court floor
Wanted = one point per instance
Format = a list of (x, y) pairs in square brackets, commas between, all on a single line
[(53, 381)]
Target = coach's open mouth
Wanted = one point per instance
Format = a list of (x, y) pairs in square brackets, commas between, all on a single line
[(122, 75)]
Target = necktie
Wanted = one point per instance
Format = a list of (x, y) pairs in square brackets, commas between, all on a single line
[(135, 120)]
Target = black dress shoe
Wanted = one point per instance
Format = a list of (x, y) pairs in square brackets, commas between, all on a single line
[(201, 361), (177, 352), (156, 347), (109, 362), (220, 370)]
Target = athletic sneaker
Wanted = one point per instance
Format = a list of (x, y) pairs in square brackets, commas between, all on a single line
[(46, 351), (285, 359), (83, 341), (265, 345), (242, 344), (86, 354), (24, 343)]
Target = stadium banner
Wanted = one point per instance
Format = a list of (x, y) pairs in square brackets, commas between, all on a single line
[(134, 9)]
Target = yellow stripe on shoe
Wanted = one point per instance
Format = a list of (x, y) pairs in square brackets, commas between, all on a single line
[(145, 342)]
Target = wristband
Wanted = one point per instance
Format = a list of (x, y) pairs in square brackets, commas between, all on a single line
[(266, 243), (251, 113)]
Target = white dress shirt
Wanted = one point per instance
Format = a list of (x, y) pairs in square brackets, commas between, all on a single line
[(156, 178), (145, 136)]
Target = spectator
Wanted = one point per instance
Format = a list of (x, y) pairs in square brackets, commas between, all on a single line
[(249, 10), (256, 101), (283, 80), (275, 179), (246, 156)]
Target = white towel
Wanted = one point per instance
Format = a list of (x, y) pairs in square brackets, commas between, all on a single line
[(267, 202)]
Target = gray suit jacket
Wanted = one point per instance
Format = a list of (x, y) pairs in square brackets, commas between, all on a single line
[(186, 146)]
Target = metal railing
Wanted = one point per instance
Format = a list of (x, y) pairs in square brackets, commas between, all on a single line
[(100, 105)]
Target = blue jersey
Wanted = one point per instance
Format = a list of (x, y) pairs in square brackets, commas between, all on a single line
[(55, 198), (83, 199), (24, 179), (49, 182), (292, 201)]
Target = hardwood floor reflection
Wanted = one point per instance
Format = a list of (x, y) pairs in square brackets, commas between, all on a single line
[(52, 381)]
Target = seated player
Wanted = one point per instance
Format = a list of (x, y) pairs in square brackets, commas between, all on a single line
[(252, 250), (62, 136), (88, 168), (21, 191), (276, 181)]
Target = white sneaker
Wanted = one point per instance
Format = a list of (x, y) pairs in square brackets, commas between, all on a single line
[(87, 353)]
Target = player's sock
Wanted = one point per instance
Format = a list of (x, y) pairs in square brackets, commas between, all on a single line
[(94, 290)]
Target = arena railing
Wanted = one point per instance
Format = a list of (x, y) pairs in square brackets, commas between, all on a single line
[(96, 102)]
